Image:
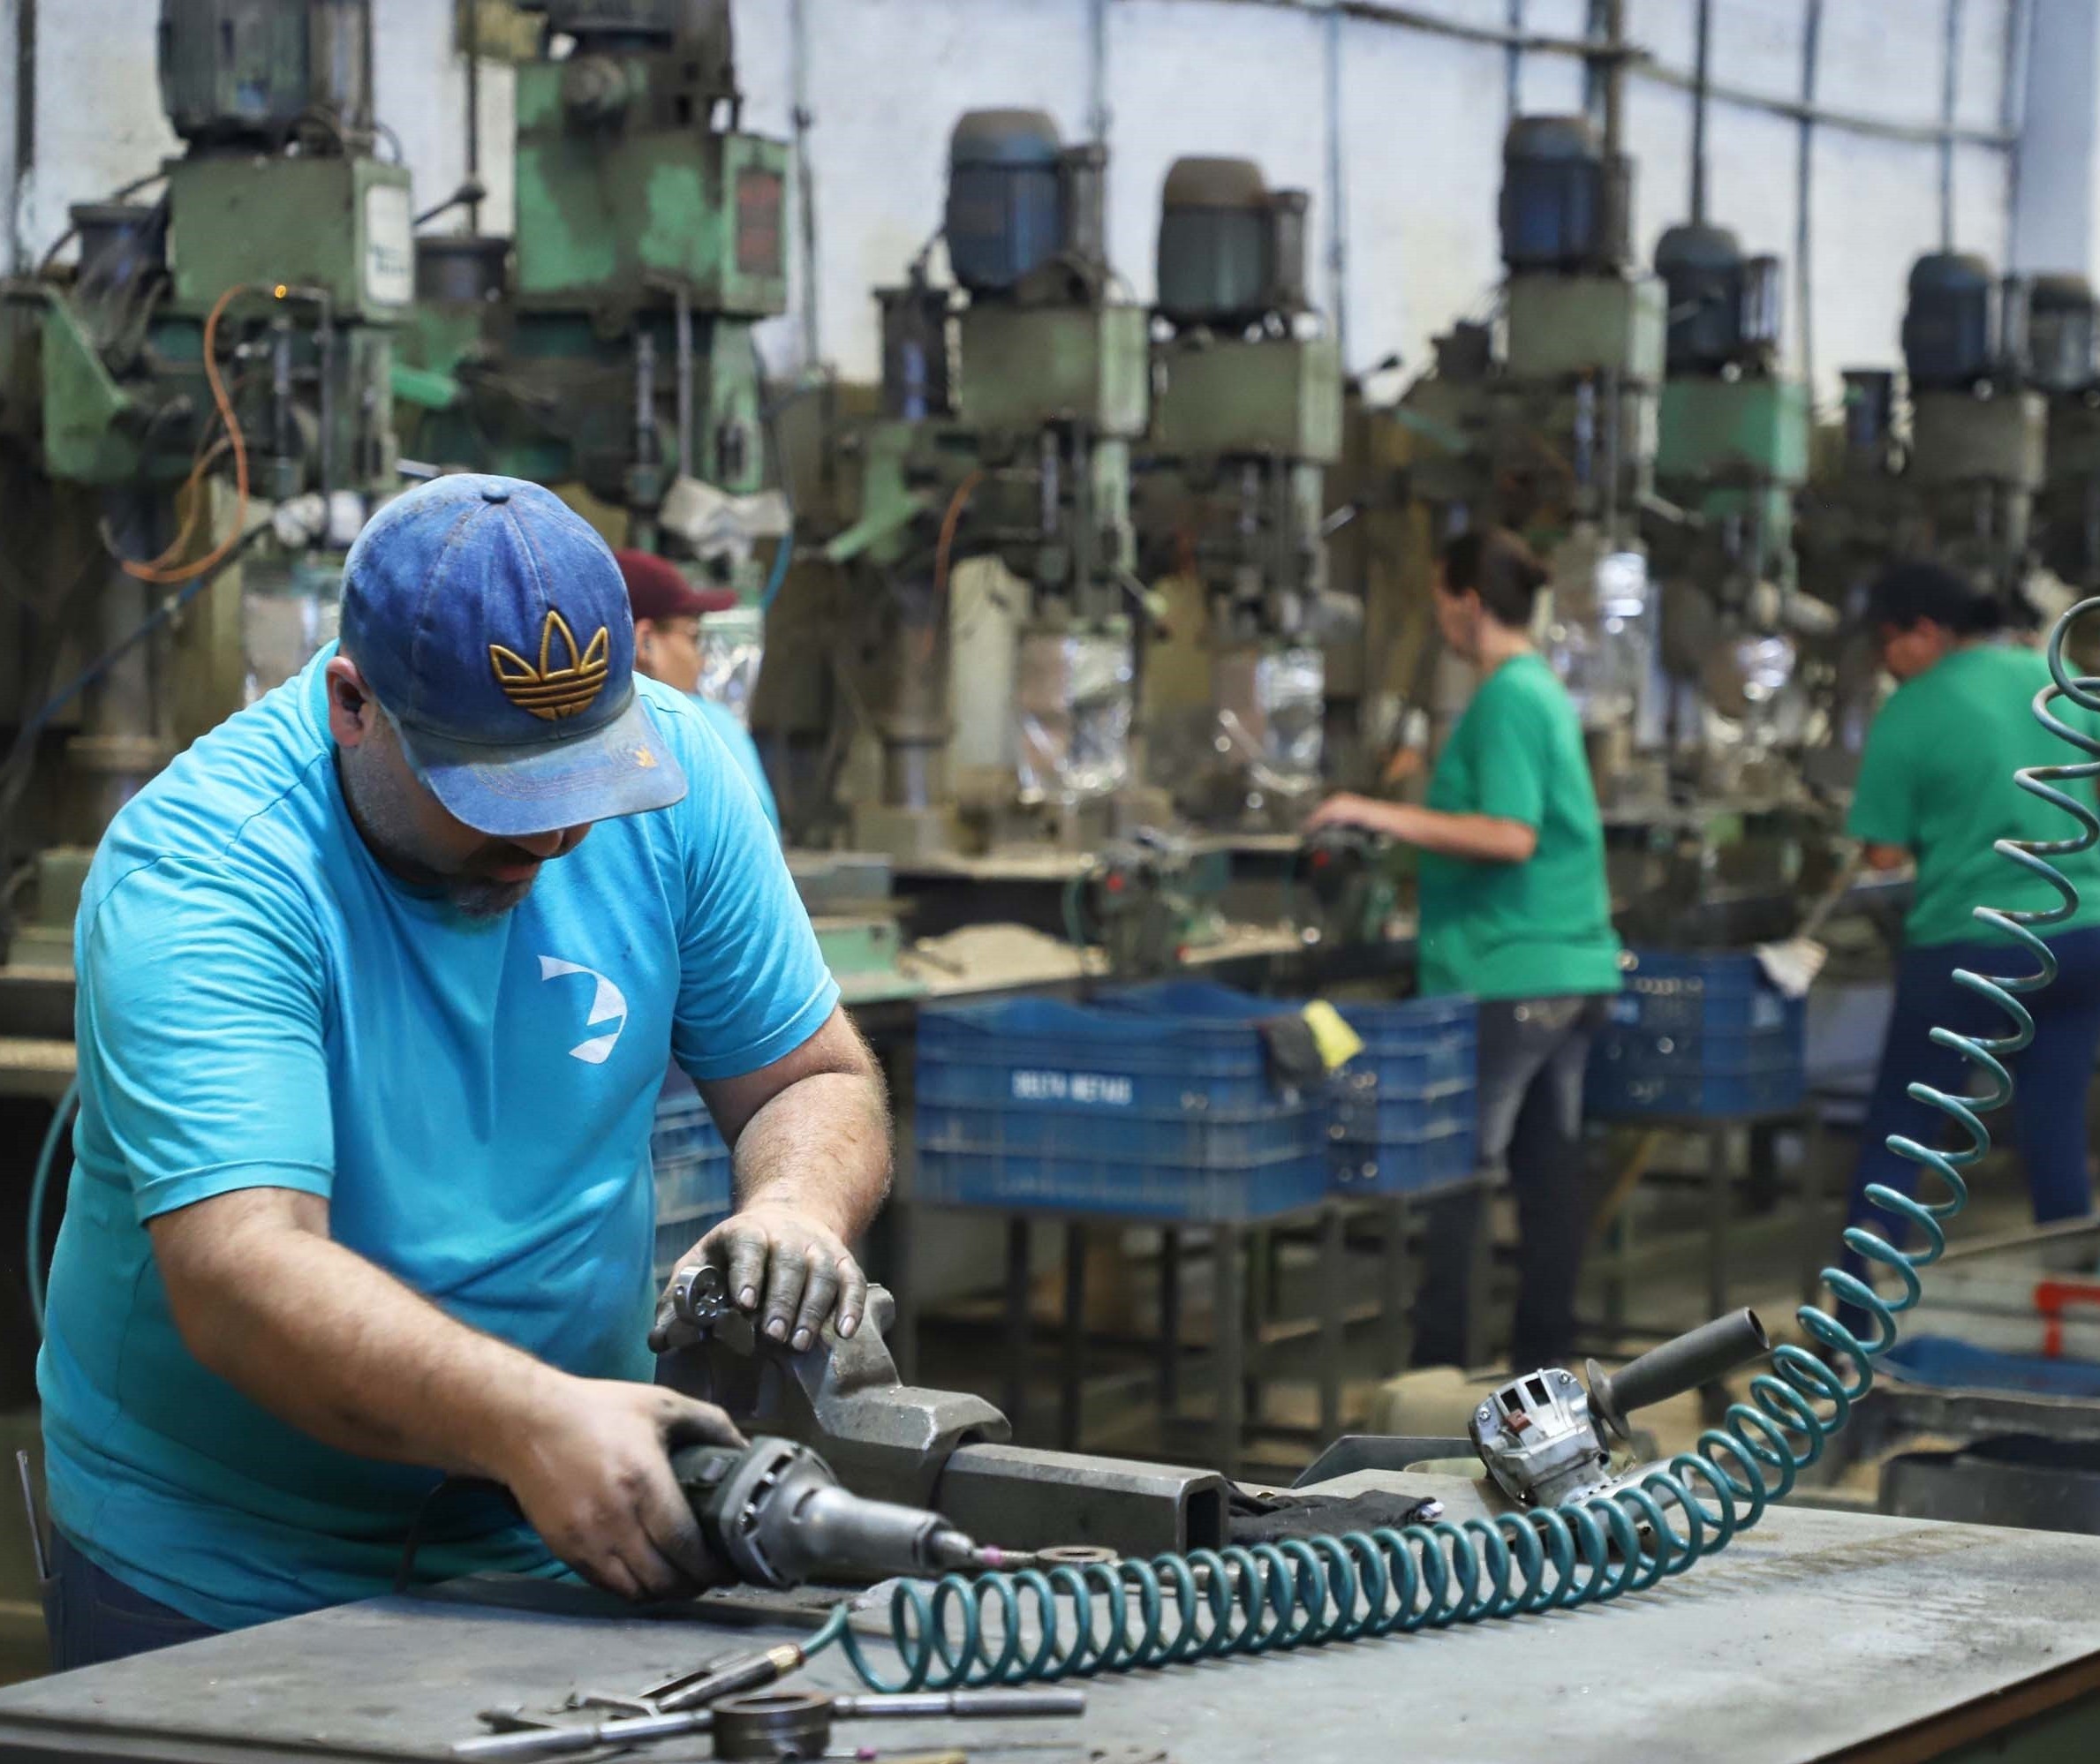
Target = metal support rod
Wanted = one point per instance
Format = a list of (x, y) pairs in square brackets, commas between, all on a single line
[(1014, 1401), (1513, 63), (1337, 194), (325, 317), (2012, 109), (1804, 286), (805, 179), (1334, 1298), (1395, 1290), (1097, 70), (1072, 1373), (1950, 96), (1228, 1350), (1170, 1323), (1703, 32), (1409, 18), (682, 317), (473, 112), (25, 130)]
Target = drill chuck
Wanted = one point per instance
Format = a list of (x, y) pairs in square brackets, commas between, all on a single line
[(775, 1513)]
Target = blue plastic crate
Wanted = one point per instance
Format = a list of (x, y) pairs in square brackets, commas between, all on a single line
[(689, 1157), (678, 1233), (1369, 1115), (1214, 1141), (1405, 1109), (1668, 1055), (1611, 1094), (1948, 1364), (1400, 1165), (1698, 1034), (1096, 1184), (1720, 992), (1091, 1061), (1035, 1103)]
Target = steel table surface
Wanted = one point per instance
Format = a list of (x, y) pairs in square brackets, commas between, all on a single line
[(1817, 1634)]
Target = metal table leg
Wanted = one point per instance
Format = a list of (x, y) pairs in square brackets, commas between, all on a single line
[(1718, 1198), (1170, 1323), (1015, 1398), (1229, 1349), (1816, 1245), (1333, 1281), (1396, 1295), (903, 1336), (1075, 1340), (1479, 1251)]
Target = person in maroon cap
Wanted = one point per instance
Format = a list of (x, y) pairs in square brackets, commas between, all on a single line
[(668, 610)]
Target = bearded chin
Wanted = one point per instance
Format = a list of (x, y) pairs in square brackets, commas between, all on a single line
[(482, 899)]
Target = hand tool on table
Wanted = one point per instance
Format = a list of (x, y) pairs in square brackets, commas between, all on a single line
[(778, 1724)]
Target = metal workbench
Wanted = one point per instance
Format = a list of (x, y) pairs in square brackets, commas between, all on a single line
[(1820, 1636)]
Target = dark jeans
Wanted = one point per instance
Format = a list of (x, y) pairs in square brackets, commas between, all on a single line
[(2047, 1120), (1532, 1053), (93, 1616)]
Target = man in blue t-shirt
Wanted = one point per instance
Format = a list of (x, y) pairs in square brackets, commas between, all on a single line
[(377, 985)]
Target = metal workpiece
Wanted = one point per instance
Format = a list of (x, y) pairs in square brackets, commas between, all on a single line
[(941, 1451), (1701, 1356), (797, 1723), (776, 1512), (1024, 1499), (779, 1725), (840, 1395), (695, 1300)]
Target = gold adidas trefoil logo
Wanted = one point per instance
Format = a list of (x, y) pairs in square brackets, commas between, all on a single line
[(553, 693)]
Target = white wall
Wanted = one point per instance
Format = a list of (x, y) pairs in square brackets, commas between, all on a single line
[(1421, 119)]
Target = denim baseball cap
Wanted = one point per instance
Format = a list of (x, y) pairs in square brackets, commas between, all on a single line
[(491, 623)]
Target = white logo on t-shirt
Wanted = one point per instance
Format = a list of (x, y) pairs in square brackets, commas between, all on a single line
[(607, 1004)]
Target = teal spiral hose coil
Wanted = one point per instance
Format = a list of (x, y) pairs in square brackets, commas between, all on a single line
[(1361, 1585)]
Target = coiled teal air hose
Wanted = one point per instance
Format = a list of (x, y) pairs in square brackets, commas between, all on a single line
[(1360, 1585)]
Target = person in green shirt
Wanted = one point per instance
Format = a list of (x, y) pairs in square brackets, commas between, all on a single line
[(1514, 910), (1936, 789)]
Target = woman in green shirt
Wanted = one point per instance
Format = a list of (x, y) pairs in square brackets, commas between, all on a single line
[(1935, 788), (1515, 911)]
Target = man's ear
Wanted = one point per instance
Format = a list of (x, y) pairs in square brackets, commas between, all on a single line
[(353, 714)]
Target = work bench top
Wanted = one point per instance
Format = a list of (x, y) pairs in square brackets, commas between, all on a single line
[(1818, 1633)]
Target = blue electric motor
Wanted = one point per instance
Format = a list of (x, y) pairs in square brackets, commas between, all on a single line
[(1555, 207), (1004, 208), (1952, 325), (1724, 306)]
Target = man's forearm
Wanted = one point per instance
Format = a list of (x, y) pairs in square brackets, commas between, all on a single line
[(822, 1147), (339, 1348)]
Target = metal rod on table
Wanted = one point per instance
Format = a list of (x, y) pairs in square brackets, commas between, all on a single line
[(963, 1705)]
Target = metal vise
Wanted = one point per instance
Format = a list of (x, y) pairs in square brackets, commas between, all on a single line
[(943, 1450)]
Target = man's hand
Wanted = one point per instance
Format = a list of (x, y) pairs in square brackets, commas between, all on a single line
[(591, 1469), (789, 1268), (1345, 809)]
